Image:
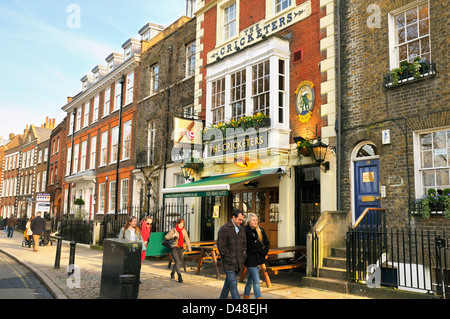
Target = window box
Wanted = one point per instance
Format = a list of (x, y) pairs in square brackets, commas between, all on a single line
[(409, 72), (432, 204)]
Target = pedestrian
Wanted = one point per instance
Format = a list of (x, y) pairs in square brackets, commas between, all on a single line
[(131, 231), (180, 236), (47, 229), (28, 232), (146, 229), (12, 222), (5, 226), (37, 227), (232, 245), (257, 249)]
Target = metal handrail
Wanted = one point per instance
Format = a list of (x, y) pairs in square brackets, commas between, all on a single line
[(361, 217)]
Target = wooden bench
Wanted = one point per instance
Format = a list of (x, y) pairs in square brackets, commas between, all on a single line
[(275, 269)]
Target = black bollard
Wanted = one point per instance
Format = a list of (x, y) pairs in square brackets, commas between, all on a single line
[(58, 252), (72, 257), (127, 288)]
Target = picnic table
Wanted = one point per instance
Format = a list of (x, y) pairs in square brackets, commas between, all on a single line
[(210, 252), (195, 253), (274, 263)]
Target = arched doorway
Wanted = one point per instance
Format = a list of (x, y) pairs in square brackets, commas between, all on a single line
[(365, 173)]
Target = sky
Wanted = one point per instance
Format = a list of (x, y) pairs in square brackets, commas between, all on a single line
[(47, 46)]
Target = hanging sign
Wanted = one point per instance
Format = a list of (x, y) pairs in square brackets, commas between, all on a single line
[(304, 100)]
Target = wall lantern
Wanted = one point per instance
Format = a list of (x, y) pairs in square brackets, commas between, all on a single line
[(319, 150), (186, 170)]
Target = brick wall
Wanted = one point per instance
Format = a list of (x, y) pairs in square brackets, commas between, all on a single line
[(368, 107)]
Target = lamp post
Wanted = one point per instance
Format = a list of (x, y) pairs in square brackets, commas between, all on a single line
[(149, 187), (319, 150)]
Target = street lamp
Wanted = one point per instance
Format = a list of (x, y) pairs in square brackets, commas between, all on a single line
[(149, 187), (319, 150)]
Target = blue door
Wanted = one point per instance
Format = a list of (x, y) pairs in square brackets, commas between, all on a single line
[(367, 185)]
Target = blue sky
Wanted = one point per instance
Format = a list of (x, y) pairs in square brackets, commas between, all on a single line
[(44, 52)]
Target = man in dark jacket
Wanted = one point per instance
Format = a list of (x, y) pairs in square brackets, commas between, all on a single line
[(37, 227), (12, 222), (232, 245)]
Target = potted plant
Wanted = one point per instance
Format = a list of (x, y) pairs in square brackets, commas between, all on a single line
[(256, 121), (434, 202), (304, 147)]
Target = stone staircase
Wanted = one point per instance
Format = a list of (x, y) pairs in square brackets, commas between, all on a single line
[(332, 275)]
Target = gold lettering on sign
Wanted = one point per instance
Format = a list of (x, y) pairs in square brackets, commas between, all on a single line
[(368, 177)]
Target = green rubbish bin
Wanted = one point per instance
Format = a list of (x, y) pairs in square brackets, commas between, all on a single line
[(120, 257)]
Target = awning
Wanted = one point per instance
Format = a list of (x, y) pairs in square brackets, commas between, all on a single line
[(214, 185)]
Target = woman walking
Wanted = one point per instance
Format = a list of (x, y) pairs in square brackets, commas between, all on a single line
[(131, 232), (257, 249), (180, 236), (146, 229)]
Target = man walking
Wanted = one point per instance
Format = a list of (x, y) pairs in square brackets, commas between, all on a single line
[(232, 245), (37, 227), (12, 222)]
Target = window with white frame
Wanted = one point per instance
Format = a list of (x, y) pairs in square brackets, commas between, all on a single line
[(188, 111), (87, 108), (410, 34), (69, 160), (104, 148), (101, 198), (229, 22), (238, 89), (261, 87), (218, 101), (117, 96), (280, 5), (129, 88), (93, 152), (154, 78), (106, 104), (96, 107), (190, 59), (83, 156), (126, 144), (281, 89), (114, 144), (112, 197), (44, 180), (433, 157), (76, 151), (78, 124), (151, 142), (124, 195)]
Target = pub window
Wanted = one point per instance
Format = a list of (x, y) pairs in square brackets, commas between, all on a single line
[(229, 22), (218, 101), (261, 87), (238, 87)]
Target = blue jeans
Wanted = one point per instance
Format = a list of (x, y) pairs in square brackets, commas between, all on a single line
[(230, 285), (252, 280), (10, 231)]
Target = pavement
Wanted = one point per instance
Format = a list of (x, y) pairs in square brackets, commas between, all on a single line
[(155, 276)]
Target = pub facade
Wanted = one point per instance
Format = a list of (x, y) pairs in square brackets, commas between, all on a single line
[(264, 87)]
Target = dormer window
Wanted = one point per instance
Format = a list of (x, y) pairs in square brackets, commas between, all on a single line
[(113, 60), (128, 52), (110, 66)]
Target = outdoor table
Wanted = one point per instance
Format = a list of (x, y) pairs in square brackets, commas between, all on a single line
[(195, 250), (299, 254), (209, 252)]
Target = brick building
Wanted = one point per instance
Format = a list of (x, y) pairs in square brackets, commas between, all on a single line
[(398, 128), (56, 168), (103, 112), (259, 59)]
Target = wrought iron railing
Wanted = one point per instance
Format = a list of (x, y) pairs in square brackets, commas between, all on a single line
[(410, 259), (393, 79)]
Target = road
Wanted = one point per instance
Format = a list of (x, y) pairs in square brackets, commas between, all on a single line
[(17, 282)]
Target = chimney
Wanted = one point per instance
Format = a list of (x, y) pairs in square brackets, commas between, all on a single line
[(11, 136), (69, 99)]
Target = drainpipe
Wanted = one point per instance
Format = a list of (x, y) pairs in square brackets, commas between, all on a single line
[(338, 126), (71, 160), (121, 81)]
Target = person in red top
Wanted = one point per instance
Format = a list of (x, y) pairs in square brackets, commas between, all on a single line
[(146, 229)]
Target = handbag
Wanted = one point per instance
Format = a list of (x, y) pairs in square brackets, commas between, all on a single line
[(168, 243)]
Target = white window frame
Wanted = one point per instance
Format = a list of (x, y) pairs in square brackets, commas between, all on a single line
[(117, 97), (393, 46), (93, 150), (87, 109), (154, 78), (104, 149), (230, 21), (76, 154), (112, 197), (126, 143), (96, 108), (418, 169), (190, 59), (101, 198), (124, 195), (107, 102), (83, 156), (129, 88), (69, 160), (114, 151)]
